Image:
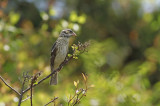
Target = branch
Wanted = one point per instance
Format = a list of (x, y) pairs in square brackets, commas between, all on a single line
[(31, 92), (21, 96), (51, 101), (71, 98), (79, 93), (79, 98), (53, 72), (77, 49), (26, 99), (9, 86)]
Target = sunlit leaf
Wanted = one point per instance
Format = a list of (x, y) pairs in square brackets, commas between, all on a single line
[(69, 55), (14, 17), (51, 12), (92, 85), (44, 27), (44, 16), (35, 82), (84, 77), (73, 17), (76, 58), (72, 47), (148, 17), (75, 83), (82, 19)]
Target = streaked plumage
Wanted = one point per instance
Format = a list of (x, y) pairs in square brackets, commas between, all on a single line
[(59, 52)]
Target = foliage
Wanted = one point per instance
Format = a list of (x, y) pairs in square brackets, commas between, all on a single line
[(122, 62)]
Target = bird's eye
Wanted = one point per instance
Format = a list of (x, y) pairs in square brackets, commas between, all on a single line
[(65, 32), (70, 31)]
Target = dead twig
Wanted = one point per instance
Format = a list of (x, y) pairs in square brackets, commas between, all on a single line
[(26, 99), (51, 101), (33, 80), (31, 92), (9, 86), (77, 49), (79, 93), (21, 96), (53, 72)]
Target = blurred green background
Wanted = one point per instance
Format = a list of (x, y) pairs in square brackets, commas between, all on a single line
[(122, 62)]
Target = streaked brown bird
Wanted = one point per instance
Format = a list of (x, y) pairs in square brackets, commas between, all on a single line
[(59, 52)]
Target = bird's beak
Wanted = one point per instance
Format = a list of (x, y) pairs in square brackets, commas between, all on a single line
[(74, 34)]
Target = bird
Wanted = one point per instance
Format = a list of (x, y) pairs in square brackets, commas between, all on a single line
[(59, 52)]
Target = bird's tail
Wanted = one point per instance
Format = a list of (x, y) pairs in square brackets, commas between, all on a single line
[(54, 79)]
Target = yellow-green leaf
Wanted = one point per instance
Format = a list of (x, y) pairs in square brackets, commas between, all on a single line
[(82, 19), (92, 85), (72, 47), (52, 12), (14, 17), (76, 47), (73, 17), (69, 55), (84, 77), (75, 83), (76, 57)]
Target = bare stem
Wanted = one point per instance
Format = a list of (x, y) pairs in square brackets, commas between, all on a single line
[(53, 72), (26, 99), (51, 101), (33, 85), (9, 86), (71, 99), (31, 92), (21, 96)]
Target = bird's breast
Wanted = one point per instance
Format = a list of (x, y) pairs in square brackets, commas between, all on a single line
[(60, 55)]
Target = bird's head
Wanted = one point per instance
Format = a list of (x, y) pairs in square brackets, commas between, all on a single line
[(67, 33)]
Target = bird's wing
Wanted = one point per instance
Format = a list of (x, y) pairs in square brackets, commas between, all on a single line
[(53, 55)]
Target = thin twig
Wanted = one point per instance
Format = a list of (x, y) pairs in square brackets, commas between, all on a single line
[(39, 82), (71, 99), (21, 96), (53, 72), (81, 97), (78, 96), (9, 86), (31, 91), (26, 99), (77, 99), (51, 101), (33, 85), (33, 80)]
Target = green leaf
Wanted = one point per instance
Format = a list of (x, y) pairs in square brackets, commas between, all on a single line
[(84, 77), (73, 17), (14, 17), (76, 57), (75, 83), (51, 12), (69, 55), (82, 19)]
